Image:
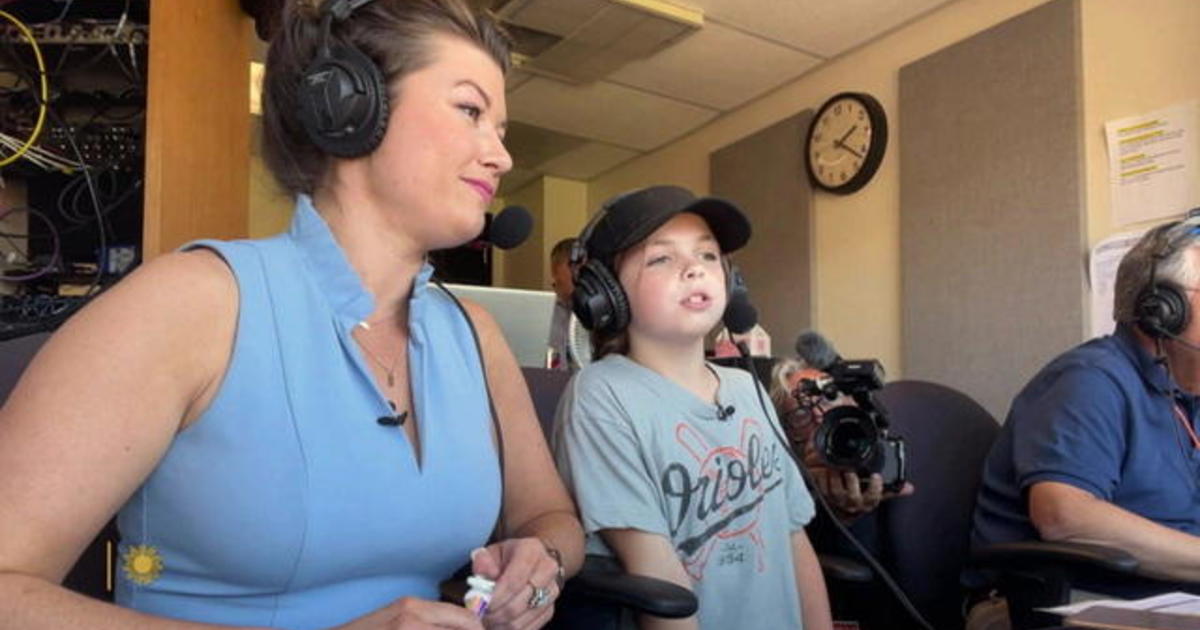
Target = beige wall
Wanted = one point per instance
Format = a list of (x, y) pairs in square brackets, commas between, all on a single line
[(522, 267), (270, 207), (559, 208), (566, 212), (857, 278), (1137, 57)]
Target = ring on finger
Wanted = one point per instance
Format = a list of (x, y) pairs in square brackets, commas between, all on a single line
[(540, 596)]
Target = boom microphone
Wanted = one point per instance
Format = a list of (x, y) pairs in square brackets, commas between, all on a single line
[(1183, 342), (816, 350), (740, 315), (508, 229)]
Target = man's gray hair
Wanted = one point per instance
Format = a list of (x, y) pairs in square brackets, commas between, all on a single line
[(1163, 249), (781, 375)]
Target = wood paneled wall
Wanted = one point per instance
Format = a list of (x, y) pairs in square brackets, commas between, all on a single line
[(197, 123)]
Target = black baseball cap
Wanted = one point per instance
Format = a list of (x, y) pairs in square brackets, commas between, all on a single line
[(627, 219)]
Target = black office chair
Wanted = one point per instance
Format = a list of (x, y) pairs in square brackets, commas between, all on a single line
[(925, 537), (922, 540), (90, 575), (1039, 574), (15, 354), (601, 595)]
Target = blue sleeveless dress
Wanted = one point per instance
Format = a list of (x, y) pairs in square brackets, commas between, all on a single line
[(286, 505)]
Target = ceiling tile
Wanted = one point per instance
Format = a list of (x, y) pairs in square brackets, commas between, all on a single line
[(604, 111), (535, 145), (515, 78), (516, 179), (820, 27), (588, 161), (560, 17), (736, 67)]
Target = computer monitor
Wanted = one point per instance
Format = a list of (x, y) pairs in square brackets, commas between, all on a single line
[(523, 315)]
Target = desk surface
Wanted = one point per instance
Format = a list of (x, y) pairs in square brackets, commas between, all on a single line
[(1127, 619)]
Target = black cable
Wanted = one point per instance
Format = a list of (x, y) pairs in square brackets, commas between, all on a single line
[(53, 234), (815, 492), (102, 259), (106, 211), (91, 188), (501, 526)]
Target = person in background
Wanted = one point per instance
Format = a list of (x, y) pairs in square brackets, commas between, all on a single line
[(852, 503), (1101, 445), (801, 415), (295, 431), (560, 280), (678, 464)]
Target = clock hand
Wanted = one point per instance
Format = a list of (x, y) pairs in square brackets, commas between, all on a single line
[(840, 145), (842, 140)]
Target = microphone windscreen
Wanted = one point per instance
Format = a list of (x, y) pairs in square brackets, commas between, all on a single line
[(510, 228), (816, 350), (740, 314)]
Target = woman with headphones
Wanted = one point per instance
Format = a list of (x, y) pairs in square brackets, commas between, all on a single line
[(679, 465), (304, 431)]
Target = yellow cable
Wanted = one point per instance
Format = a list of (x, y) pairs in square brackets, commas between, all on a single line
[(41, 119)]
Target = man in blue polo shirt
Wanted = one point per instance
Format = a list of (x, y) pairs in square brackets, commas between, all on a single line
[(1101, 445)]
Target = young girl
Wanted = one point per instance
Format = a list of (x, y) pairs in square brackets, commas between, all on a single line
[(676, 463)]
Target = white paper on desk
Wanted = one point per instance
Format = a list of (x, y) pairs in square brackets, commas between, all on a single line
[(1102, 276), (1152, 163), (1176, 603)]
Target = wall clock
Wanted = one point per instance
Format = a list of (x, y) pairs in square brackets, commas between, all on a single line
[(846, 142)]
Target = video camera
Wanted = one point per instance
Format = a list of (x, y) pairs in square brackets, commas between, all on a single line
[(855, 436)]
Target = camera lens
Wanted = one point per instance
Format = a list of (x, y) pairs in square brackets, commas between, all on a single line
[(847, 437), (849, 441)]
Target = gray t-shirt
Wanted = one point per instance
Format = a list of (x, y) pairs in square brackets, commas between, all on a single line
[(641, 452)]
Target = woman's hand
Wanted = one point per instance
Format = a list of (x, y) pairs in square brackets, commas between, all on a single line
[(411, 613), (526, 578)]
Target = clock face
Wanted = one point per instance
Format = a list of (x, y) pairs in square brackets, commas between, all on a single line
[(846, 142)]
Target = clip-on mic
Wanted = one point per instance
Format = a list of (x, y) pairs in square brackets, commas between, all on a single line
[(392, 421)]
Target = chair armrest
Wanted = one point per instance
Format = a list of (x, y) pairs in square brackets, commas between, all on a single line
[(843, 569), (643, 594), (1071, 556), (602, 581)]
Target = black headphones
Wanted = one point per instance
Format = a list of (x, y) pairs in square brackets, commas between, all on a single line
[(1162, 308), (343, 97), (598, 299)]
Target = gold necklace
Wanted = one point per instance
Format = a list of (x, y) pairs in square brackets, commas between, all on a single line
[(389, 371), (401, 416)]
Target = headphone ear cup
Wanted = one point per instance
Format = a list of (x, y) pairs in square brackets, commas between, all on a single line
[(598, 299), (344, 102), (1162, 311)]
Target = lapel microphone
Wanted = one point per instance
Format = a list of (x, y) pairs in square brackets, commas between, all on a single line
[(724, 413), (392, 421)]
